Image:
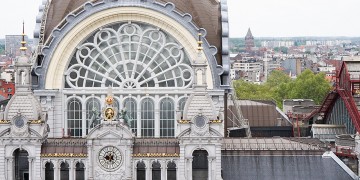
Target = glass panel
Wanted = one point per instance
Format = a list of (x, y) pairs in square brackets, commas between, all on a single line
[(156, 171), (167, 118), (93, 111), (131, 113), (64, 171), (49, 171), (74, 117), (140, 171), (129, 55), (182, 103), (80, 171), (171, 171), (147, 118)]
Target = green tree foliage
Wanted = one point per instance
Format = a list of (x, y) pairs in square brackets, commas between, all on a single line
[(310, 86), (280, 86)]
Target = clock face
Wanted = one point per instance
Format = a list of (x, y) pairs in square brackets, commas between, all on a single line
[(19, 122), (110, 158)]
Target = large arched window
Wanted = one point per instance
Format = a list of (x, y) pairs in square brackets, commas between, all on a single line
[(182, 103), (129, 55), (140, 171), (74, 117), (64, 171), (49, 171), (92, 113), (80, 171), (131, 113), (156, 171), (171, 170), (167, 118), (147, 118)]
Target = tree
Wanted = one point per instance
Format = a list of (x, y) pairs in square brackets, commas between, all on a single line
[(310, 86), (280, 86)]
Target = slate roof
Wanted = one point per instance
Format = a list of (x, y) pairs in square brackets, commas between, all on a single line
[(281, 168)]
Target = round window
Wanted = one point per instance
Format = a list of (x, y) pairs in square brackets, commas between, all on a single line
[(200, 121)]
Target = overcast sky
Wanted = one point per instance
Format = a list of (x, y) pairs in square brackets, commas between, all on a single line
[(266, 18)]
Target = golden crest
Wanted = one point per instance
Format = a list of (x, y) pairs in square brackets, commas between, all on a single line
[(109, 113)]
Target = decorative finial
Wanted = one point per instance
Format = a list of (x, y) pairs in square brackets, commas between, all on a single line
[(109, 99), (23, 47), (199, 48)]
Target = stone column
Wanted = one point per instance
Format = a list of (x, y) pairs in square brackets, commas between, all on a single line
[(30, 160), (10, 167), (157, 116), (135, 170), (71, 170), (163, 169), (85, 168), (56, 170), (83, 114), (148, 170), (138, 116), (89, 161), (43, 168), (189, 168), (210, 159)]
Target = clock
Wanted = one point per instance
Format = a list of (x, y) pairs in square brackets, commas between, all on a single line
[(19, 122), (110, 158)]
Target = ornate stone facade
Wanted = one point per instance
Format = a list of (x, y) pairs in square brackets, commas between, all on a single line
[(164, 108)]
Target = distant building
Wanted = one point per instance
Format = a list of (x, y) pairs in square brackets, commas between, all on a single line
[(7, 89), (249, 40), (12, 45)]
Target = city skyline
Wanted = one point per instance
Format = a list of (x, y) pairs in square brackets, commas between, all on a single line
[(270, 18)]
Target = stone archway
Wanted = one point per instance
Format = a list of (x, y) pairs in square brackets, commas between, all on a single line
[(21, 165), (200, 165)]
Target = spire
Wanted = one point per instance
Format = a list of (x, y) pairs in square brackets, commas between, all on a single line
[(23, 42), (199, 48), (249, 35)]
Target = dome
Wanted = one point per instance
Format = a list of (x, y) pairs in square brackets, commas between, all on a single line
[(205, 14), (22, 60), (27, 105)]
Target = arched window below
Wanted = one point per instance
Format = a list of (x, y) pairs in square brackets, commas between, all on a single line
[(147, 118), (200, 164), (171, 171), (64, 171), (140, 171), (74, 117), (93, 112), (21, 164), (182, 103), (131, 113), (167, 118), (156, 171), (49, 171), (80, 171)]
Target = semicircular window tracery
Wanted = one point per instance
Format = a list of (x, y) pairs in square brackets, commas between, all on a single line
[(129, 55)]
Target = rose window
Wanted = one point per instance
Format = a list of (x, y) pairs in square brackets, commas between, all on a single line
[(129, 55)]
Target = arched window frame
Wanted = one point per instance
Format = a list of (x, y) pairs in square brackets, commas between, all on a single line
[(92, 103), (167, 117), (181, 105), (130, 105), (147, 117), (74, 117), (132, 55)]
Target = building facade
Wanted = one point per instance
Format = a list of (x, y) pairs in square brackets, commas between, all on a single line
[(119, 90)]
